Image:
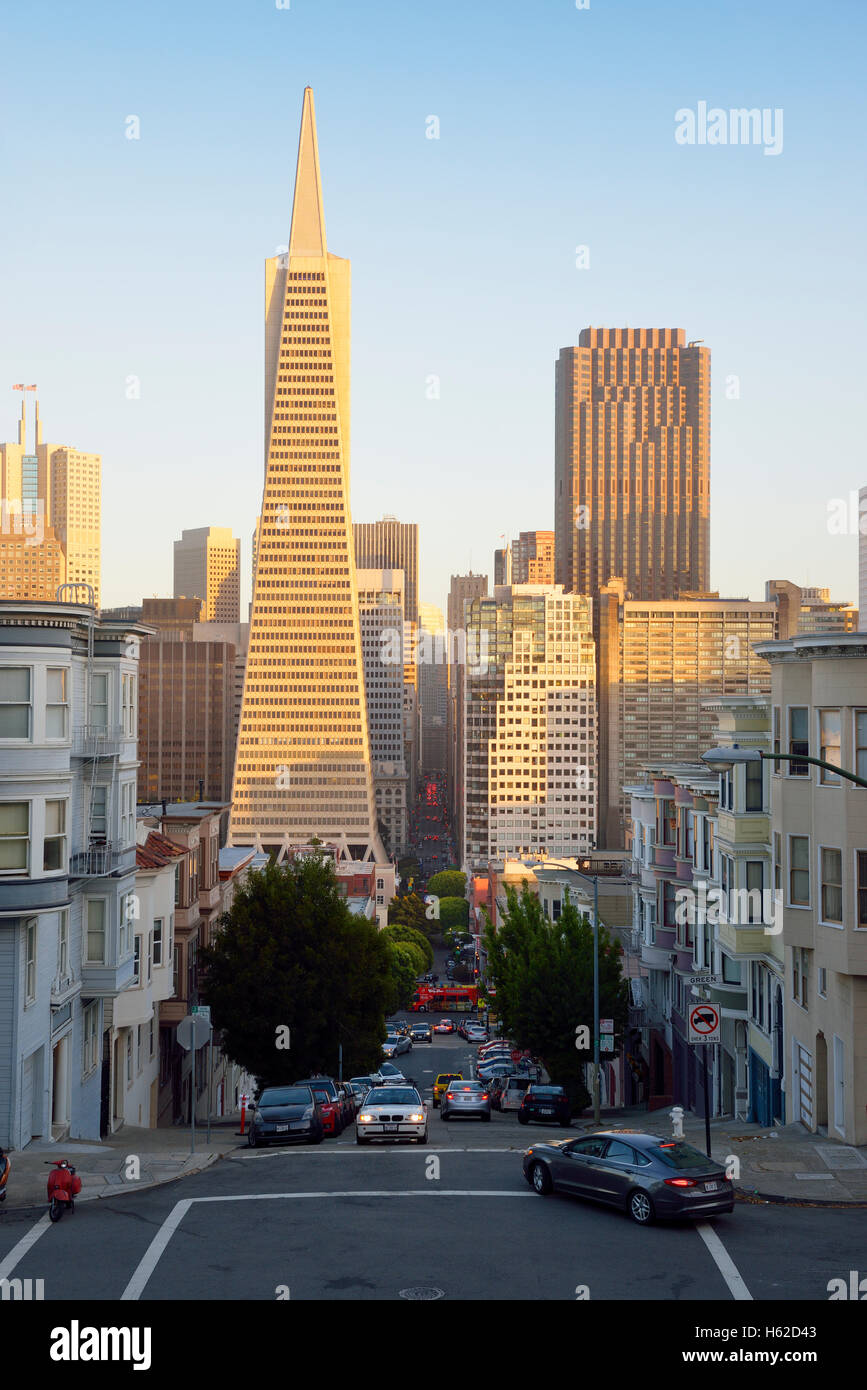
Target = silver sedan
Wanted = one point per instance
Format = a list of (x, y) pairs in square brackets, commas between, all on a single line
[(466, 1098)]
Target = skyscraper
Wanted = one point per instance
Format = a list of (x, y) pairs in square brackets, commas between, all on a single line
[(462, 590), (433, 686), (533, 558), (380, 601), (208, 566), (632, 463), (303, 759), (390, 544)]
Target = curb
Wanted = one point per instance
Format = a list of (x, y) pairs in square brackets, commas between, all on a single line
[(774, 1200), (121, 1191)]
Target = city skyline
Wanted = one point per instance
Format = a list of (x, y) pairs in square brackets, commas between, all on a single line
[(757, 225)]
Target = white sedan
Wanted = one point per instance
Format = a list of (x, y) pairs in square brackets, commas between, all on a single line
[(392, 1112)]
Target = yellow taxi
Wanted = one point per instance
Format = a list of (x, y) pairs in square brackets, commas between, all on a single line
[(442, 1083)]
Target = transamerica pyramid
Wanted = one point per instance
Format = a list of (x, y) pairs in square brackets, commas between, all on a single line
[(302, 765)]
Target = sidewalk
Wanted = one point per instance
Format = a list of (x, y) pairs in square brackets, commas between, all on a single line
[(163, 1155), (780, 1164)]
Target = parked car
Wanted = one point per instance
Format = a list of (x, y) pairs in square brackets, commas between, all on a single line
[(643, 1174), (325, 1093), (359, 1089), (284, 1113), (512, 1094), (365, 1082), (392, 1112), (496, 1091), (442, 1082), (465, 1098), (546, 1103), (421, 1033)]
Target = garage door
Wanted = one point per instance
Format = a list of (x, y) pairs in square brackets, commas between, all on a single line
[(802, 1070), (26, 1110)]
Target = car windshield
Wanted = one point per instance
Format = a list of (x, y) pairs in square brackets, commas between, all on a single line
[(547, 1090), (288, 1095), (319, 1082), (682, 1156), (394, 1095), (390, 1071), (465, 1086)]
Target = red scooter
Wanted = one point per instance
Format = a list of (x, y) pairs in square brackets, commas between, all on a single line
[(63, 1188), (5, 1167)]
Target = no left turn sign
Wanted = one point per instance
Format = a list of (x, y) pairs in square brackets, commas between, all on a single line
[(704, 1023)]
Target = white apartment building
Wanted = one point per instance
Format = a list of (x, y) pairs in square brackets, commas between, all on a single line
[(819, 827), (530, 725), (68, 727)]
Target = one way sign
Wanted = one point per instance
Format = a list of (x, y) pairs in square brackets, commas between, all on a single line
[(704, 1023)]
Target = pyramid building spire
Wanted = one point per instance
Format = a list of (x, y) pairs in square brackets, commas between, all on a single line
[(302, 766)]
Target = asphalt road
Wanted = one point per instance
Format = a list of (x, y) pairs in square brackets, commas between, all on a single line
[(455, 1216)]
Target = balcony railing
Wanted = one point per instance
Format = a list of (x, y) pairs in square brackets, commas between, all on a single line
[(96, 861), (92, 741)]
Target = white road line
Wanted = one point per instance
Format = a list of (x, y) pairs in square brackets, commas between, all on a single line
[(151, 1257), (724, 1263), (149, 1261), (20, 1250), (382, 1148)]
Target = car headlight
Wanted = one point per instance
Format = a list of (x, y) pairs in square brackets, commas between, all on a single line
[(309, 1112), (415, 1119), (366, 1119)]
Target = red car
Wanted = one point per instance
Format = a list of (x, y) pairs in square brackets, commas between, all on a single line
[(329, 1101), (445, 1025)]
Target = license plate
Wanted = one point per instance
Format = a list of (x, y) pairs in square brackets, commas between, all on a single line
[(711, 1186), (281, 1129), (390, 1129), (545, 1111)]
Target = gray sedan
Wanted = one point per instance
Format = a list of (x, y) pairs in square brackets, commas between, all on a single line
[(643, 1174), (465, 1098)]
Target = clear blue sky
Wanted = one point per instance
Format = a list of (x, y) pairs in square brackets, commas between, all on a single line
[(145, 257)]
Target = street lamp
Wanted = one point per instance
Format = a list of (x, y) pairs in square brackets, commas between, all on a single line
[(595, 880), (724, 759)]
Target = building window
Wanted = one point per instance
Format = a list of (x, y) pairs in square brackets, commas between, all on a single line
[(127, 813), (800, 970), (754, 786), (54, 843), (776, 734), (63, 945), (128, 915), (96, 931), (91, 1037), (99, 700), (15, 703), (799, 739), (799, 870), (831, 861), (30, 961), (99, 813), (778, 862), (822, 982), (128, 705), (556, 908), (176, 971), (731, 969), (757, 973), (56, 707), (138, 1049), (136, 957), (129, 1056), (669, 907), (158, 941), (14, 837), (829, 745), (861, 887), (151, 1051), (861, 742), (177, 885), (755, 890)]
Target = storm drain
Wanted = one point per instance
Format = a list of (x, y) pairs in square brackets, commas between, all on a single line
[(421, 1294)]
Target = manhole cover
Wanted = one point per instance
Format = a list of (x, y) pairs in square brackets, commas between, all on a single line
[(422, 1295)]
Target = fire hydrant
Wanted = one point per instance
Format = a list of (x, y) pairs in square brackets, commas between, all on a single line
[(677, 1122)]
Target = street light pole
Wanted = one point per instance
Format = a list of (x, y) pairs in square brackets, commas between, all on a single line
[(596, 1000)]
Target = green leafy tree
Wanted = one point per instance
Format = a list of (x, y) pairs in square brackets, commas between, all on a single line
[(543, 975), (293, 965), (406, 963), (412, 937), (448, 883), (412, 912), (454, 912)]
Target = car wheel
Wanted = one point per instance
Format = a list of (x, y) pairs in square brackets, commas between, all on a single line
[(487, 1117), (640, 1207), (252, 1141), (523, 1119), (541, 1179), (317, 1136), (565, 1124), (359, 1140)]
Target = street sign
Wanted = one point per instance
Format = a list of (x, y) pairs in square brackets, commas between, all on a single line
[(705, 979), (704, 1023), (202, 1011), (606, 1025), (606, 1042), (193, 1032)]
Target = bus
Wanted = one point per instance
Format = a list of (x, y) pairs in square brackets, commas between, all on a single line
[(445, 999)]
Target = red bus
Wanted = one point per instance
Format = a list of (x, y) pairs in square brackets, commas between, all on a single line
[(445, 999)]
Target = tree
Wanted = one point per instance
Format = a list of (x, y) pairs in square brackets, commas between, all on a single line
[(406, 965), (543, 974), (412, 912), (454, 912), (293, 973), (411, 936), (448, 883)]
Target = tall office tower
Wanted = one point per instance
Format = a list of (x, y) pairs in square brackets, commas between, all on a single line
[(238, 636), (390, 544), (187, 706), (30, 567), (462, 590), (433, 686), (380, 601), (502, 566), (303, 758), (208, 565), (74, 511), (530, 726), (632, 463), (659, 660), (533, 558), (862, 556)]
